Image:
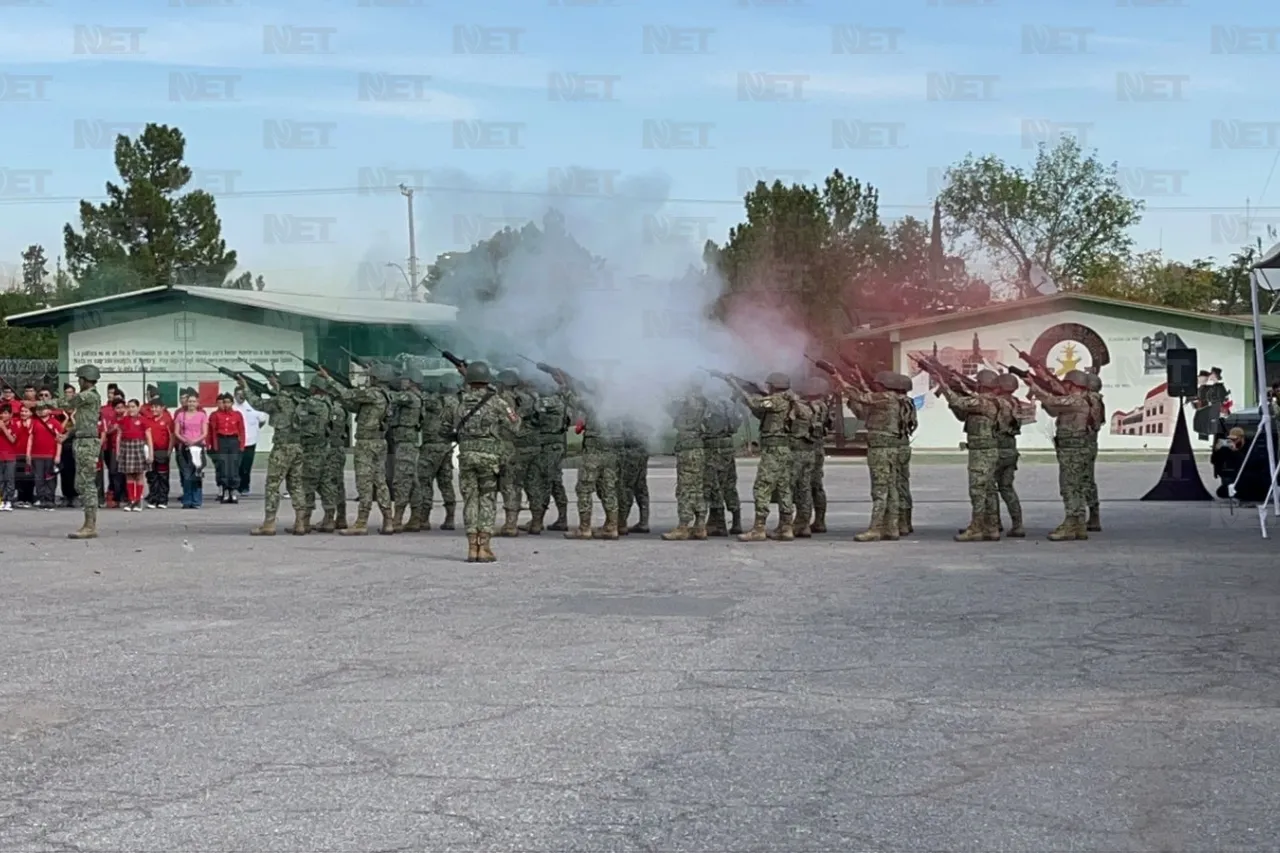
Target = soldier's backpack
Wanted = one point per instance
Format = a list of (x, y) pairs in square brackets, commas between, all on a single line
[(311, 419)]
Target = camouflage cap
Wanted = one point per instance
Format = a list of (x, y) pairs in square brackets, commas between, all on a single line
[(778, 379), (1007, 382), (987, 378), (1077, 378), (88, 372), (1093, 382), (289, 379), (478, 373)]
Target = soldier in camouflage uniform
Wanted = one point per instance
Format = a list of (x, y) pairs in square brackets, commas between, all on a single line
[(1071, 441), (406, 415), (808, 433), (1097, 418), (506, 382), (1008, 428), (827, 419), (525, 449), (315, 421), (910, 423), (552, 423), (597, 469), (84, 408), (633, 479), (333, 485), (689, 415), (979, 412), (484, 421), (370, 405), (435, 459), (775, 472), (881, 411), (284, 464), (724, 419)]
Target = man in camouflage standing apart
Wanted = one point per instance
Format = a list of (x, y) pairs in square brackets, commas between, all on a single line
[(689, 415), (484, 421), (552, 422), (1071, 442), (370, 405), (1008, 428), (315, 421), (435, 458), (284, 463), (597, 469), (879, 408), (525, 449), (633, 478), (979, 412), (1097, 418), (775, 472), (84, 408), (724, 418), (406, 415)]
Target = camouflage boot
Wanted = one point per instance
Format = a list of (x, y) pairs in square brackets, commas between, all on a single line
[(871, 534), (473, 547), (397, 517), (89, 528), (340, 518), (485, 552), (642, 524), (819, 524), (992, 529), (803, 531), (699, 531), (904, 523), (974, 532), (509, 529), (388, 521), (736, 526), (1064, 532), (889, 533), (447, 524), (610, 529), (1080, 527), (360, 528), (562, 520), (1016, 530), (535, 525), (1095, 520), (757, 533), (299, 523), (267, 528), (785, 531), (623, 530), (326, 523), (715, 523), (584, 527), (414, 524), (680, 534)]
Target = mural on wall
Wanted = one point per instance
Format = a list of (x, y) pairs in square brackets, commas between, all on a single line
[(1155, 350), (1158, 412), (967, 362)]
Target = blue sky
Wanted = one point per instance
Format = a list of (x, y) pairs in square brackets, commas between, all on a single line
[(510, 99)]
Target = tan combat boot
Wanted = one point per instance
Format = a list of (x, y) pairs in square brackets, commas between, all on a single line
[(1080, 528), (535, 525), (326, 523), (414, 524), (716, 524), (972, 533), (388, 522), (736, 527), (89, 527), (1016, 530), (819, 524), (267, 528), (1095, 520), (642, 524), (1064, 532), (871, 534), (447, 524), (485, 552), (680, 534), (904, 522), (299, 523), (991, 530), (757, 532), (397, 517), (340, 518), (473, 547), (699, 529), (785, 531), (584, 528), (509, 529), (360, 528), (889, 533), (610, 529), (802, 531), (623, 530), (562, 520)]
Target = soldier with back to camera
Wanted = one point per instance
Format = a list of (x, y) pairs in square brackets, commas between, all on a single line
[(1071, 443), (880, 410), (1097, 419), (1008, 428), (775, 472), (370, 404), (484, 422), (688, 414), (284, 463), (979, 411)]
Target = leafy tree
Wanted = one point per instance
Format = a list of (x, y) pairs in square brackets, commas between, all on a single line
[(35, 274), (917, 278), (1063, 216), (24, 343), (246, 281), (149, 233)]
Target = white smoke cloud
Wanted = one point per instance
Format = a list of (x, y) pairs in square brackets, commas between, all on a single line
[(637, 327)]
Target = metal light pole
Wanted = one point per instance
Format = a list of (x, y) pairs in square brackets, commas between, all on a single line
[(403, 274), (407, 192)]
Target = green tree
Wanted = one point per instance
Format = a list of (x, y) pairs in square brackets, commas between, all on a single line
[(246, 281), (24, 343), (1063, 216), (149, 232), (917, 278), (35, 274)]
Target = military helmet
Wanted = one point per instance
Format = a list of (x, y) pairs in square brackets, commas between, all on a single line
[(478, 373), (817, 387), (88, 372), (905, 384), (414, 375), (1077, 378), (380, 372), (987, 378), (509, 378), (289, 379), (1094, 382), (317, 382), (1007, 382), (778, 380), (448, 382), (886, 379)]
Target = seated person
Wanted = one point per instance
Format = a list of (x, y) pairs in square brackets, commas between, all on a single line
[(1232, 454)]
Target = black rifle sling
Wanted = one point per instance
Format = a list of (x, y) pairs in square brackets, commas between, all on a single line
[(457, 431)]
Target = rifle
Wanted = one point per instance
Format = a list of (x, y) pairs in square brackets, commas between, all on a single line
[(337, 376), (252, 384), (270, 374), (459, 363), (856, 378), (859, 374), (737, 382), (1028, 377), (1044, 377)]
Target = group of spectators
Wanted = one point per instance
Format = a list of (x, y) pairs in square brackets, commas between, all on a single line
[(37, 466)]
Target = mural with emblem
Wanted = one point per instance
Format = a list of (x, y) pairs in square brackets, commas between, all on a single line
[(1127, 356)]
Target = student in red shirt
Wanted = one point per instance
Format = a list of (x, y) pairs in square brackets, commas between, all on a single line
[(133, 454), (8, 459), (67, 462), (22, 426), (9, 401), (42, 450), (226, 438), (161, 442)]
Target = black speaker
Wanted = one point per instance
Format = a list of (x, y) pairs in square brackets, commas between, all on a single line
[(1181, 368)]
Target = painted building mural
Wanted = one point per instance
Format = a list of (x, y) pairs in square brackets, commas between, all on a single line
[(1129, 357)]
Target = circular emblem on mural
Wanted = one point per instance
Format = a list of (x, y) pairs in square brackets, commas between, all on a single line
[(1071, 346)]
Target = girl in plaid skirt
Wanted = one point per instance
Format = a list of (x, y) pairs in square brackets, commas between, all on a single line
[(133, 454)]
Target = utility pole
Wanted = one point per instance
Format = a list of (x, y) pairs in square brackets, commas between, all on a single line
[(407, 192)]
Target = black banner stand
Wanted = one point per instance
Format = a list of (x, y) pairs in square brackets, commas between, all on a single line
[(1180, 480)]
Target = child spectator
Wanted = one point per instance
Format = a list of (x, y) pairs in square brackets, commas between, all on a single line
[(42, 449), (112, 478), (227, 439), (25, 485), (161, 442), (133, 454), (190, 429), (8, 459), (9, 401), (67, 463)]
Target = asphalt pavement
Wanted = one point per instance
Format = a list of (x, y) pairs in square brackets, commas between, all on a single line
[(177, 685)]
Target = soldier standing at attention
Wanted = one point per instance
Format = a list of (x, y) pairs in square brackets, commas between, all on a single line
[(1071, 443), (507, 380), (633, 478), (525, 449), (315, 420), (597, 470), (689, 414), (484, 420), (84, 407), (775, 471), (807, 436), (1008, 428), (826, 420), (406, 414), (878, 408), (370, 405), (435, 459), (979, 412), (724, 419), (1097, 418), (910, 423), (284, 463), (335, 467), (552, 422)]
